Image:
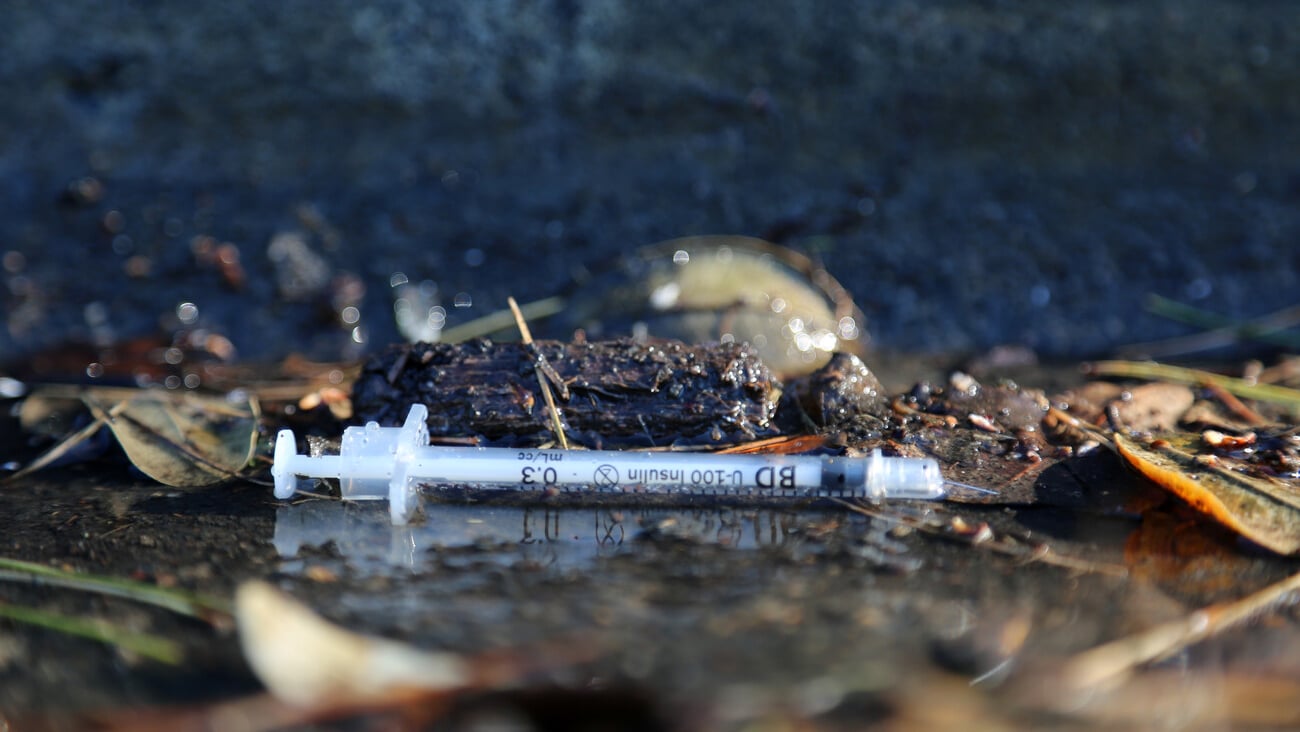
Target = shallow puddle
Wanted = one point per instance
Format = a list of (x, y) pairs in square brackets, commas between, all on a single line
[(362, 535)]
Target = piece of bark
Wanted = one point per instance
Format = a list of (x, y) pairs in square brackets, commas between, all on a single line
[(610, 393)]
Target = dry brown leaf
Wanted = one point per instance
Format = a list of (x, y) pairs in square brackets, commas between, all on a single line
[(306, 661), (182, 438), (1264, 510)]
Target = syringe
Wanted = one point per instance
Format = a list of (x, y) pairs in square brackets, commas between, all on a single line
[(374, 462)]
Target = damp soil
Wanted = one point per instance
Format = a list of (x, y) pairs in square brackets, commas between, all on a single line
[(700, 614)]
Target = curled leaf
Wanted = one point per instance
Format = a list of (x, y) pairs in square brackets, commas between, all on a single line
[(1264, 510), (182, 438)]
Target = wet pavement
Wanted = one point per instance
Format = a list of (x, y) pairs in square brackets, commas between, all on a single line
[(696, 614)]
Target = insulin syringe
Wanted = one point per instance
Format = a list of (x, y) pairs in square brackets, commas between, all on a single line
[(376, 462)]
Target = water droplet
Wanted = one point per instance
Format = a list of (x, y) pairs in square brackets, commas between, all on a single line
[(681, 256), (824, 340), (665, 296), (172, 382), (397, 278), (462, 300), (848, 328), (173, 355), (358, 335), (350, 315), (94, 370), (192, 381), (187, 313)]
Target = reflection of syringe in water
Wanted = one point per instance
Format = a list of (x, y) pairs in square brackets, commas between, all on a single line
[(374, 462)]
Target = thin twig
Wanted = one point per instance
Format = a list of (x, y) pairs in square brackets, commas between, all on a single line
[(557, 424), (1237, 407), (1113, 661)]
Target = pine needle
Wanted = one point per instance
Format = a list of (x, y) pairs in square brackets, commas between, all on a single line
[(540, 365)]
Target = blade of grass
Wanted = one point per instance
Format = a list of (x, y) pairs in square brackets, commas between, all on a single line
[(157, 648), (208, 609), (1265, 329), (502, 319), (1218, 331), (1272, 393)]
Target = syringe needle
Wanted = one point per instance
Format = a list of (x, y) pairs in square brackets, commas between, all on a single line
[(970, 487)]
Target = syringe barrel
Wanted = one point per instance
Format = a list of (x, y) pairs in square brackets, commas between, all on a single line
[(622, 471), (875, 478)]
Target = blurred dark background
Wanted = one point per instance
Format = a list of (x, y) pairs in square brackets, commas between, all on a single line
[(975, 173)]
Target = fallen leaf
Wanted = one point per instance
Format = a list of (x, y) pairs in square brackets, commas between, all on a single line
[(1264, 510), (182, 438), (304, 660)]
